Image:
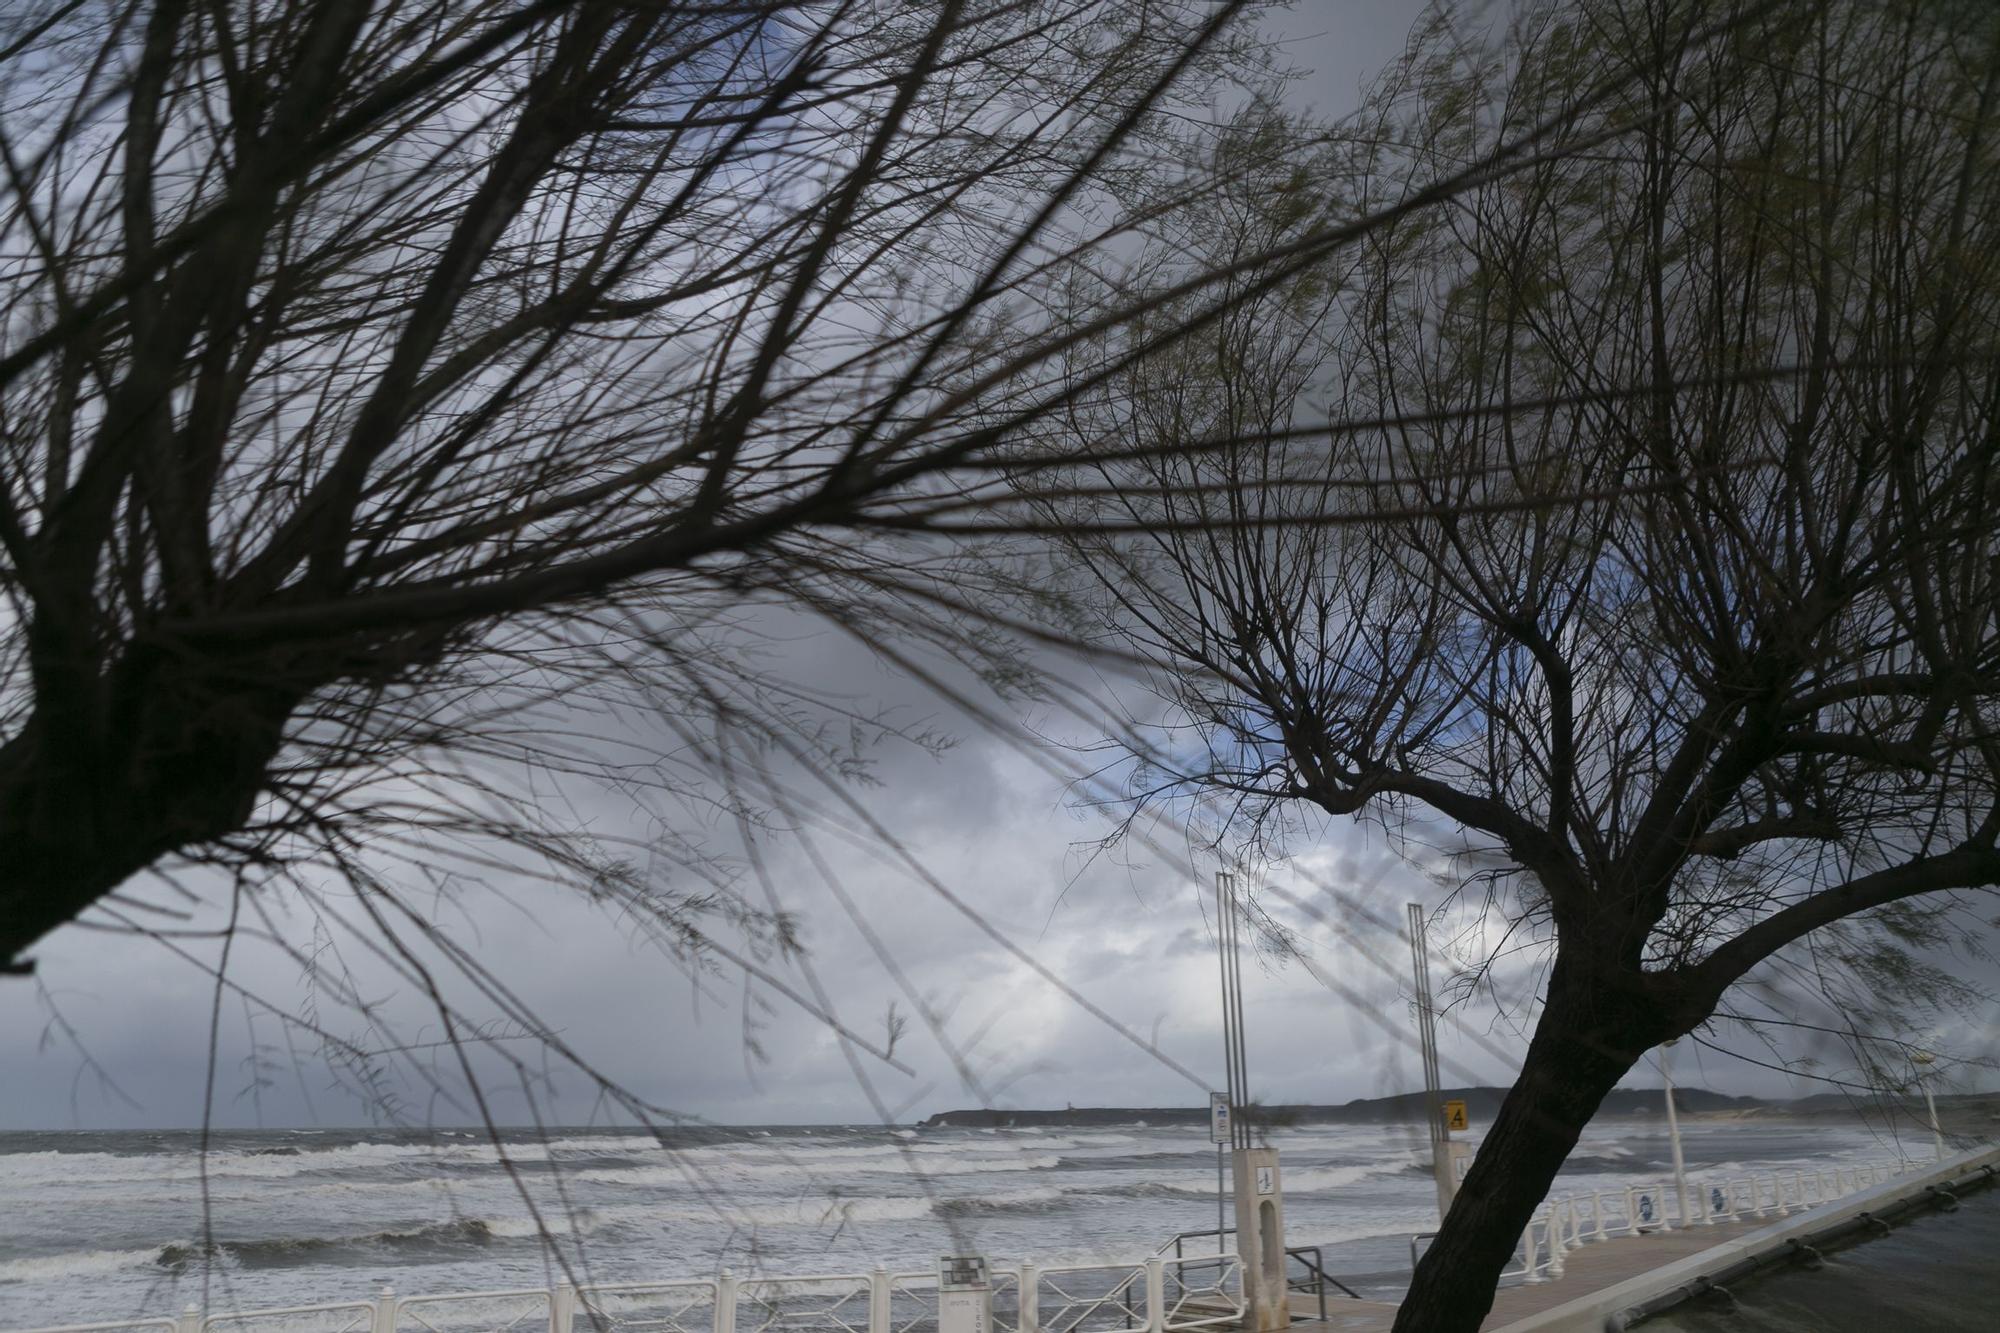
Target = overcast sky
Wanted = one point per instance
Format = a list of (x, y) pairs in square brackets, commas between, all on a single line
[(1129, 934)]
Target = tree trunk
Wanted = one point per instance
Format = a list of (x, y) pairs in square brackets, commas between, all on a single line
[(170, 760), (1593, 1028)]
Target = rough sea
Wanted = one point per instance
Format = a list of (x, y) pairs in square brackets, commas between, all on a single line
[(99, 1226)]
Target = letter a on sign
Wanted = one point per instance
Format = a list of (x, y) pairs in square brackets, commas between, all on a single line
[(1455, 1117)]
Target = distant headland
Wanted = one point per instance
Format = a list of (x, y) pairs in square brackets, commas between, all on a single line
[(1480, 1103)]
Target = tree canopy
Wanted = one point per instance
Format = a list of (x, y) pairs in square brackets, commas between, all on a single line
[(1631, 514), (387, 386)]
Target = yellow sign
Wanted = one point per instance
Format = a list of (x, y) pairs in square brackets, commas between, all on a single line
[(1454, 1116)]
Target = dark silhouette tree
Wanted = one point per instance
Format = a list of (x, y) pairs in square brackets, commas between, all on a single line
[(386, 387), (1632, 515)]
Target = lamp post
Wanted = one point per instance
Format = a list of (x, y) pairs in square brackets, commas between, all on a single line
[(1922, 1060), (1674, 1134)]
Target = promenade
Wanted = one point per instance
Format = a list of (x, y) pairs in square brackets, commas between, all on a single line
[(1587, 1269)]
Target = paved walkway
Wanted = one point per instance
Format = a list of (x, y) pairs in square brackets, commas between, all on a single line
[(1591, 1267)]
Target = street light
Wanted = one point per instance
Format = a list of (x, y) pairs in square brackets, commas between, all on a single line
[(1922, 1060), (1674, 1134)]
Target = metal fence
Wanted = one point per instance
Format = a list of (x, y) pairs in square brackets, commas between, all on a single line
[(1579, 1219), (1162, 1295)]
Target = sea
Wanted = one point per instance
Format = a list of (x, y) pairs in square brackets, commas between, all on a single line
[(113, 1225)]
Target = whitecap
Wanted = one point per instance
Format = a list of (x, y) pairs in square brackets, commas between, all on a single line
[(75, 1263)]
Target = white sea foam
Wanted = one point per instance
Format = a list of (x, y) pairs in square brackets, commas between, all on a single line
[(818, 1212), (806, 1168), (87, 1168), (76, 1263), (1307, 1180)]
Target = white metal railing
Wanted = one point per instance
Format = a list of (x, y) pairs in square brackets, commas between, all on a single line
[(1178, 1294), (1080, 1298), (335, 1317), (1202, 1293), (1565, 1223), (836, 1302), (129, 1325), (637, 1307), (911, 1305)]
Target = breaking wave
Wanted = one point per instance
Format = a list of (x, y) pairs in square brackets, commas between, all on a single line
[(1030, 1201), (441, 1238), (435, 1238), (1312, 1179)]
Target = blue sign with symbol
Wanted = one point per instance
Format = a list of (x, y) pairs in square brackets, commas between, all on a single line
[(1715, 1201), (1645, 1207)]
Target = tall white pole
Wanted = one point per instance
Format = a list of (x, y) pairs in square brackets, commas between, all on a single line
[(1922, 1060), (1674, 1135), (1221, 1191), (1441, 1161)]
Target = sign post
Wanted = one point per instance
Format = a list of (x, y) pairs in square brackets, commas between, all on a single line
[(965, 1294)]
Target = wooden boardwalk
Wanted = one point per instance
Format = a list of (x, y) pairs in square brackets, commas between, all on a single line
[(1589, 1268)]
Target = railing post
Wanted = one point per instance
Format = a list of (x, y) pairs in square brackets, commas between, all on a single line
[(562, 1307), (1030, 1298), (878, 1300), (1555, 1244), (384, 1319), (725, 1302), (1631, 1210), (1156, 1295), (1529, 1254), (190, 1320)]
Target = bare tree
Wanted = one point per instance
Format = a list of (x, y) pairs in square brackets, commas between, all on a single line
[(1647, 539), (387, 386)]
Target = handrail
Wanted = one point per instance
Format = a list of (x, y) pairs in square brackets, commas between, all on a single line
[(1578, 1219), (1317, 1266), (570, 1309), (1293, 1251)]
